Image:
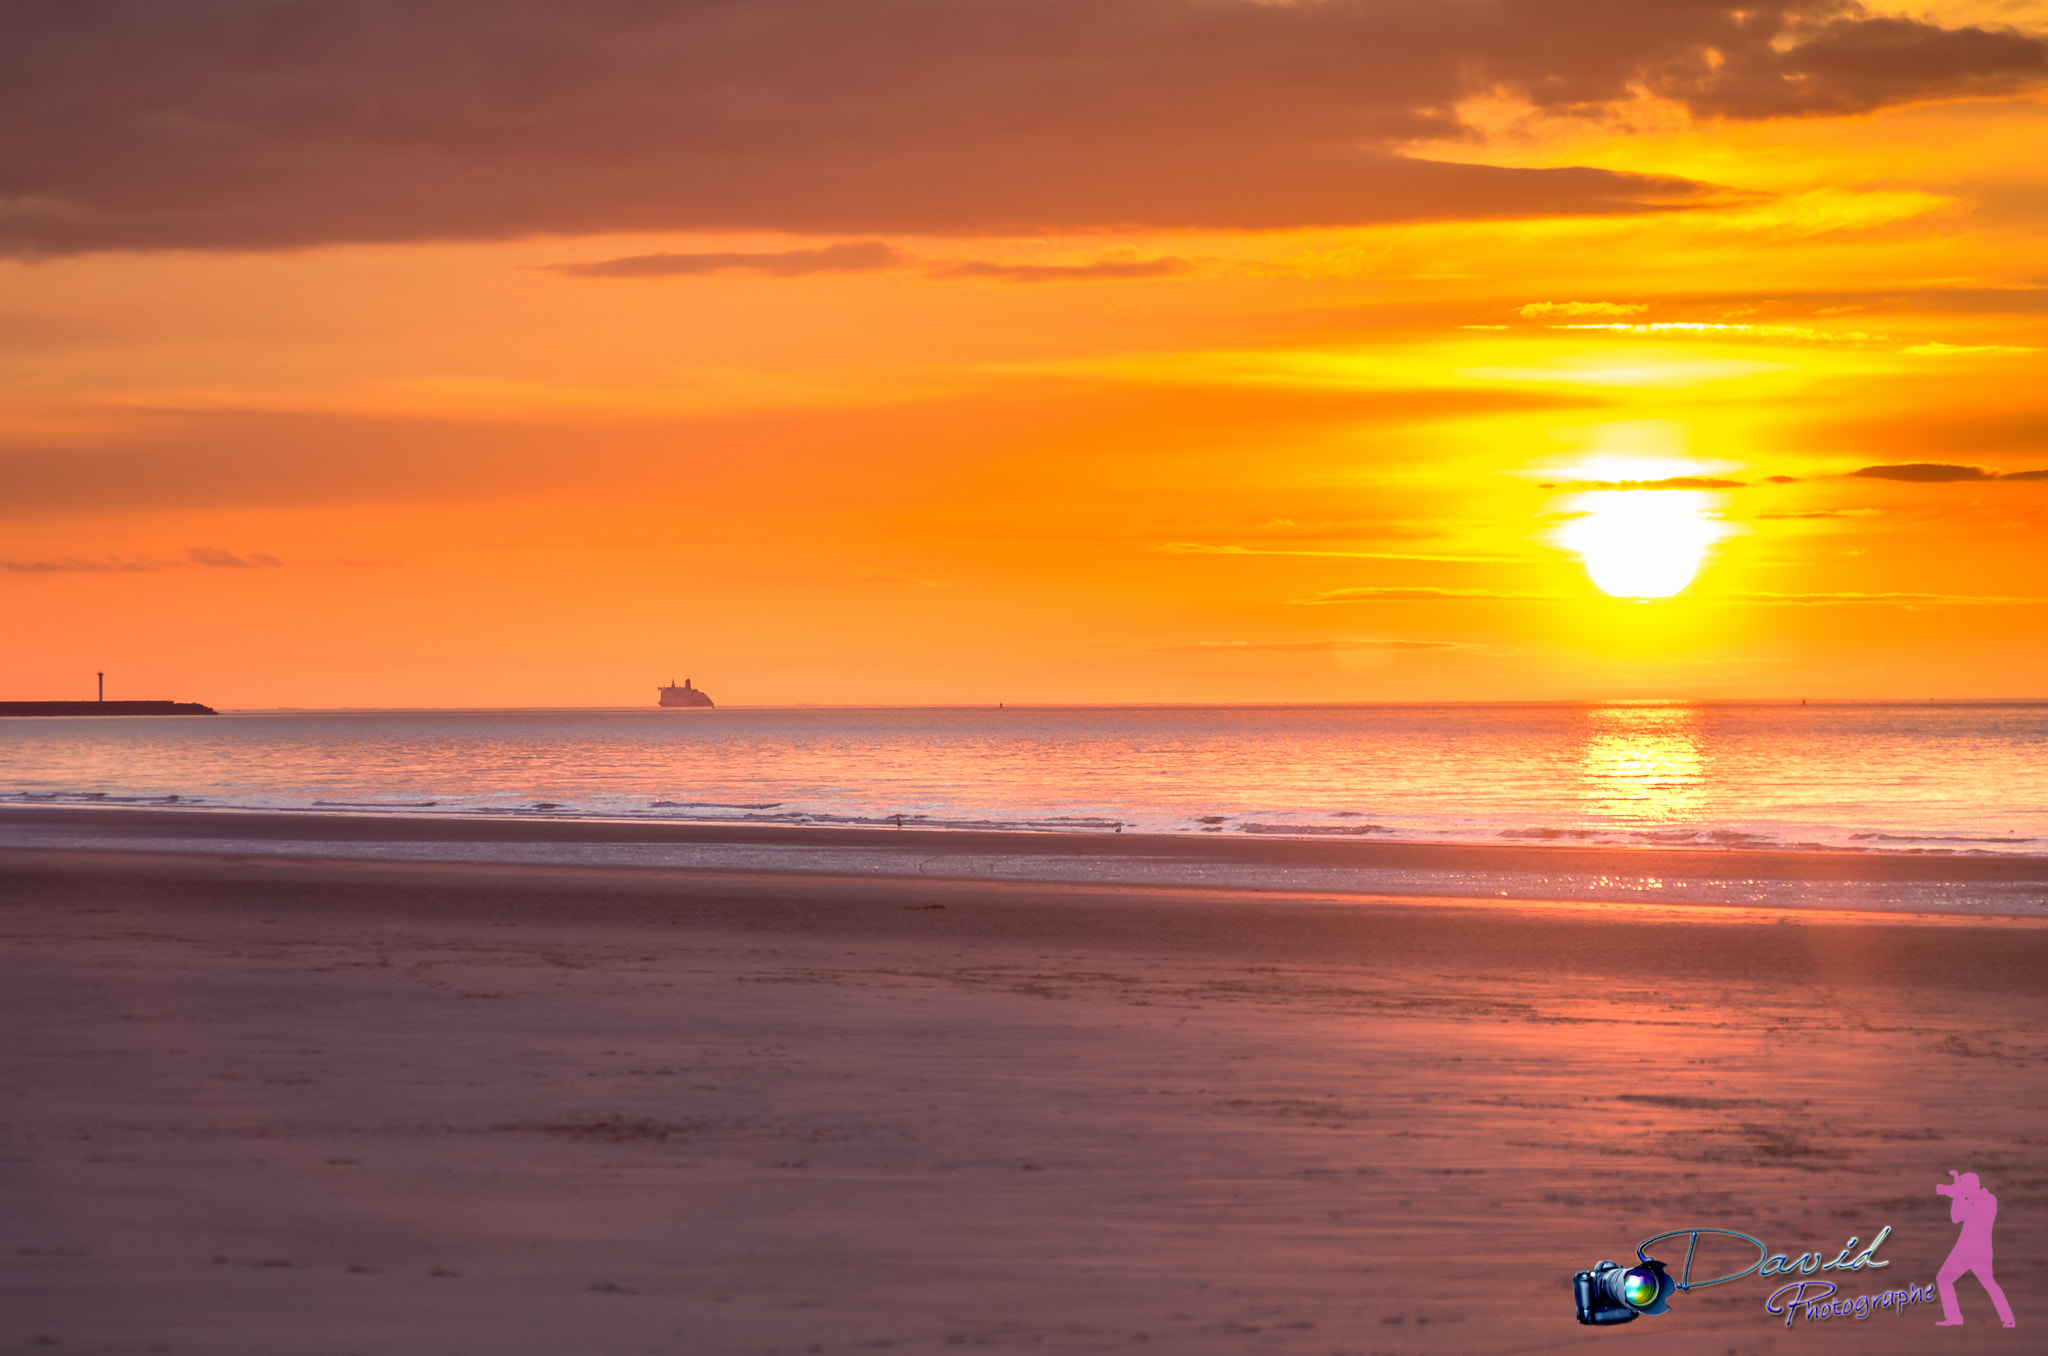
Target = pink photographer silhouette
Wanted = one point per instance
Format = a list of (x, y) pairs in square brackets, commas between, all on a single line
[(1974, 1208)]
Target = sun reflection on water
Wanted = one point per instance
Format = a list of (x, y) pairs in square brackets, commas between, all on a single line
[(1643, 765)]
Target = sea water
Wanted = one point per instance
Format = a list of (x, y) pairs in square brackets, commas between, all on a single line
[(1909, 777)]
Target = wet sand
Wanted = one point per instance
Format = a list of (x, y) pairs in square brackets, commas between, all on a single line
[(475, 835), (257, 1104)]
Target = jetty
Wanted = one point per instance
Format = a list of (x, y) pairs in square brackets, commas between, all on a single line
[(105, 709)]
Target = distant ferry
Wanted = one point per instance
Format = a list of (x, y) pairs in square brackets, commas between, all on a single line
[(682, 696)]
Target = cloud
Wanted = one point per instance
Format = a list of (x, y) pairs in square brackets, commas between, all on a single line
[(71, 565), (1304, 646), (1197, 548), (2015, 299), (1924, 472), (1895, 598), (1690, 328), (1404, 595), (1110, 270), (165, 461), (1577, 308), (861, 256), (1626, 369), (259, 124), (225, 560), (196, 555), (1822, 57), (170, 462), (1940, 473), (1667, 483), (1937, 349)]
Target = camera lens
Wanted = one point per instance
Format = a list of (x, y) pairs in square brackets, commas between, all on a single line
[(1639, 1288), (1611, 1293)]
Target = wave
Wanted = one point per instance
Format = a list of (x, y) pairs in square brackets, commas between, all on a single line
[(1466, 830)]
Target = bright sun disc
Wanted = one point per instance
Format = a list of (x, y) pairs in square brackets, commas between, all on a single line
[(1641, 543)]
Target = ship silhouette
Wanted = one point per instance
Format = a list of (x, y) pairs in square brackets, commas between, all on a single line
[(682, 696)]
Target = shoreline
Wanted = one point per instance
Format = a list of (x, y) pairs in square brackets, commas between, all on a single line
[(772, 900), (1800, 881), (1531, 703), (1970, 954), (521, 823), (1845, 864)]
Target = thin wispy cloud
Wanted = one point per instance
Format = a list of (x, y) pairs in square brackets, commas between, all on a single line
[(1108, 270), (217, 559), (1536, 309), (1761, 309), (859, 256), (1868, 598), (207, 557), (72, 565), (1937, 349), (1196, 548), (1305, 646), (1420, 595), (1685, 329), (864, 256), (1667, 483)]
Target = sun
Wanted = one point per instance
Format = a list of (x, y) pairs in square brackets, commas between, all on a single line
[(1642, 543), (1642, 515)]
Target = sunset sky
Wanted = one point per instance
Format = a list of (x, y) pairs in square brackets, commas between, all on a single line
[(905, 351)]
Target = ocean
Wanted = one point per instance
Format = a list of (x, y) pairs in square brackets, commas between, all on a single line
[(1962, 778)]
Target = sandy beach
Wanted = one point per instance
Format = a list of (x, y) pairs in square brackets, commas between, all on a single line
[(304, 1104)]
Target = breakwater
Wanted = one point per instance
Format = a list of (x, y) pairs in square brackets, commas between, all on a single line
[(105, 709)]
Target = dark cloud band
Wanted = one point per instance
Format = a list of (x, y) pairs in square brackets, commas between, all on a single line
[(864, 256), (263, 124), (1938, 473)]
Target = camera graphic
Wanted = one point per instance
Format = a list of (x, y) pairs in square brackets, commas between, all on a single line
[(1613, 1293)]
